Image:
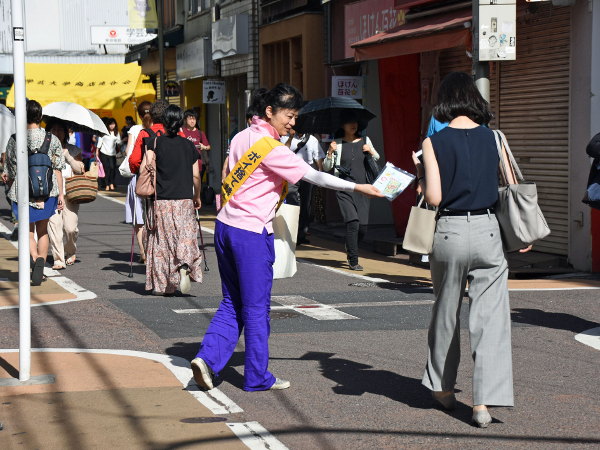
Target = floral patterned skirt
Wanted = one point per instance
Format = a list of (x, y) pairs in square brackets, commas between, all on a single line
[(172, 244)]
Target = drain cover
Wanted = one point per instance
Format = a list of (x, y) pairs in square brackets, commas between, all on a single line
[(276, 315), (203, 420), (363, 284)]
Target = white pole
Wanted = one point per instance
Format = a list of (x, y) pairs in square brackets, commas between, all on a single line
[(23, 192)]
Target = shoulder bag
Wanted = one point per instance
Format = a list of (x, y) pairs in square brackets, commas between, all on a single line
[(372, 169), (420, 229), (145, 187), (520, 218)]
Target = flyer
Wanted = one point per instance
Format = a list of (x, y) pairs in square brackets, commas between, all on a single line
[(392, 181)]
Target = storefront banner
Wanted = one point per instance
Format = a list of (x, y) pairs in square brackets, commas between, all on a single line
[(120, 35), (193, 59), (351, 87), (365, 19), (142, 14), (214, 91), (230, 36)]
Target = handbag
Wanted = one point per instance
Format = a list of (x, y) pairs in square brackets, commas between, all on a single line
[(81, 189), (372, 169), (124, 169), (592, 194), (207, 195), (120, 157), (420, 229), (517, 210), (101, 173), (285, 232), (145, 187)]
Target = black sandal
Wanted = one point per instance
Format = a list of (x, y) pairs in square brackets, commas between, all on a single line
[(37, 274)]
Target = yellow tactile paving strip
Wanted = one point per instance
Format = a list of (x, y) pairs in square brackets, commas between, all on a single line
[(48, 291), (104, 401)]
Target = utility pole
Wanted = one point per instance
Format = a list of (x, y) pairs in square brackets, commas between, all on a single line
[(161, 49), (481, 69), (22, 191)]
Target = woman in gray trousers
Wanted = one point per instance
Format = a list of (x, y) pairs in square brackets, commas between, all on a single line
[(460, 176)]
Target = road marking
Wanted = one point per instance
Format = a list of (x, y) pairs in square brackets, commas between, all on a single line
[(255, 436), (590, 337), (315, 310), (343, 272), (121, 202), (215, 400)]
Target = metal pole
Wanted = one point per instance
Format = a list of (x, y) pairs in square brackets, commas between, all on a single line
[(161, 48), (23, 192), (481, 70)]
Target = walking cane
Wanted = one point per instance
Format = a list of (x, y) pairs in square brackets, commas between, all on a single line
[(202, 240), (132, 239)]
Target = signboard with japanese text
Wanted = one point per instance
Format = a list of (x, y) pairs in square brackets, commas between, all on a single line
[(120, 36), (365, 19), (142, 14), (193, 59), (351, 87), (214, 91)]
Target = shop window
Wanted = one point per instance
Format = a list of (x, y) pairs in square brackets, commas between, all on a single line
[(197, 6)]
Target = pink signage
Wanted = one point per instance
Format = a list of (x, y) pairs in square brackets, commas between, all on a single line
[(364, 19)]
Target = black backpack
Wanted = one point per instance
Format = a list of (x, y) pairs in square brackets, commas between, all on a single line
[(40, 170), (151, 139)]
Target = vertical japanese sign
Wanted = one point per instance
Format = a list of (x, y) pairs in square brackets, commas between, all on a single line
[(142, 14), (364, 19), (351, 87)]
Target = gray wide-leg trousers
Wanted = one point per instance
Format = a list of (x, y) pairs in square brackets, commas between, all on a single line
[(469, 248)]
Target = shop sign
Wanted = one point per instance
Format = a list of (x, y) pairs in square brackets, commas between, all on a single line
[(230, 37), (351, 87), (193, 60), (172, 89), (214, 91), (365, 19), (120, 35), (142, 14)]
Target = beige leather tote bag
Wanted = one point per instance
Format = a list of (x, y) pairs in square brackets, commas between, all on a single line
[(418, 237)]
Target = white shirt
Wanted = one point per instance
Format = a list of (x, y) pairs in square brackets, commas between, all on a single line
[(310, 153), (133, 133), (108, 144), (67, 172)]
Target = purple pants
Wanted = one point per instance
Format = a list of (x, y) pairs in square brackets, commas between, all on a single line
[(246, 268)]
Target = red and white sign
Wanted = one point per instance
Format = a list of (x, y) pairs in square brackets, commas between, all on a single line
[(119, 35), (364, 19)]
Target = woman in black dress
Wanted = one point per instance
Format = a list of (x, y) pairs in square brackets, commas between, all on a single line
[(354, 207)]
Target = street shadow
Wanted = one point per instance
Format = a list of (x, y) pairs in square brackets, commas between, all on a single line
[(557, 321), (189, 351)]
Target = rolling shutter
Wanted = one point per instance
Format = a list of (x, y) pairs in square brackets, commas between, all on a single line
[(534, 114)]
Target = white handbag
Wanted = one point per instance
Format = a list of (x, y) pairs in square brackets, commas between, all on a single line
[(285, 229), (420, 230), (124, 169)]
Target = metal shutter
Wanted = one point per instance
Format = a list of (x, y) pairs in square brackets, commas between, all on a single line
[(534, 113)]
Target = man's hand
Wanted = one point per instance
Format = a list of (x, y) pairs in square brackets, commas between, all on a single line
[(368, 190), (197, 202), (61, 202)]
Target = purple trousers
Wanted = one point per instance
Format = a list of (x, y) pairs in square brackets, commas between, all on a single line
[(246, 268)]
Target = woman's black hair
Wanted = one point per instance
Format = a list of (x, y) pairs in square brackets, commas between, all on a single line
[(61, 123), (190, 113), (34, 112), (349, 116), (157, 109), (110, 120), (458, 96), (172, 119), (282, 96), (251, 112)]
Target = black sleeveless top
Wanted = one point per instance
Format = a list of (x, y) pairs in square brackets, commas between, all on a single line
[(468, 161)]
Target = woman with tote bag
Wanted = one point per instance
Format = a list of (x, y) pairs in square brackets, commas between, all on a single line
[(259, 168), (460, 177)]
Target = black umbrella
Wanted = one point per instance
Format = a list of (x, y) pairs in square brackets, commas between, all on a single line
[(327, 115)]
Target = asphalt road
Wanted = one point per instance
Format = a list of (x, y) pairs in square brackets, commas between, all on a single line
[(355, 381)]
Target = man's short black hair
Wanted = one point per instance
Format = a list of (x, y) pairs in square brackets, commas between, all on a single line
[(190, 113), (34, 112)]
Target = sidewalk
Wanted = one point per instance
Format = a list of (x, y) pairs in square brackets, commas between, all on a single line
[(106, 400)]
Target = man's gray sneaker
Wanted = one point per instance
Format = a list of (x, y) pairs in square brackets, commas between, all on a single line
[(279, 384), (203, 375)]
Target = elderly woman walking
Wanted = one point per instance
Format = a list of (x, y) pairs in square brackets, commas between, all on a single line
[(64, 224), (258, 168), (460, 176), (172, 253), (41, 210)]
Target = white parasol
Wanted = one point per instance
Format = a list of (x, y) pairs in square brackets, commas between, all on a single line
[(81, 118)]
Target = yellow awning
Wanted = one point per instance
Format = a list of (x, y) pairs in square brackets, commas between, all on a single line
[(95, 86)]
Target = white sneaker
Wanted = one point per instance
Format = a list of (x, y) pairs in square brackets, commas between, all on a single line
[(203, 375), (279, 384), (184, 284)]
